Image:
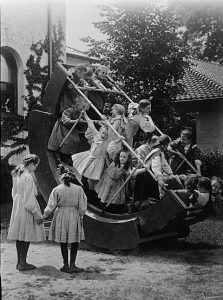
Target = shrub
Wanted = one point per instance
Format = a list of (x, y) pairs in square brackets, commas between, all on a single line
[(212, 160), (6, 180), (11, 126)]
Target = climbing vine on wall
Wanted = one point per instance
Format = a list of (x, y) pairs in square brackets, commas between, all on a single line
[(36, 73)]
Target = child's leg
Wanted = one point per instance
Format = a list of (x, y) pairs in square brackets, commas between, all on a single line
[(64, 252), (73, 256), (23, 266), (73, 253), (18, 248)]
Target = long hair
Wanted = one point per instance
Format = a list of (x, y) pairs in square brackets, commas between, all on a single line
[(28, 160), (63, 170), (127, 165), (66, 178)]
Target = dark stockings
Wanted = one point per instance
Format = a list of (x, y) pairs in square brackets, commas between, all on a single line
[(73, 253), (22, 250), (64, 252)]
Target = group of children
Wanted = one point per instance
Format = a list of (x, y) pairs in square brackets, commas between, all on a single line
[(107, 166), (102, 165)]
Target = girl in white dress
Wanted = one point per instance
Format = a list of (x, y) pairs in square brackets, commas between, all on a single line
[(67, 226), (91, 163), (25, 223)]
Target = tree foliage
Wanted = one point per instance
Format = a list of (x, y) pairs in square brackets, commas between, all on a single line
[(143, 46), (203, 21), (37, 74)]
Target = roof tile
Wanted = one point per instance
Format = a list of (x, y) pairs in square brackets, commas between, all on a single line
[(202, 80)]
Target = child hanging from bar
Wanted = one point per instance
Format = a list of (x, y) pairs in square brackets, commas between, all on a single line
[(101, 76), (160, 167), (69, 94), (92, 163), (61, 129)]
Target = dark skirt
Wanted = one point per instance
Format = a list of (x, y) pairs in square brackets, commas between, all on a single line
[(59, 132), (145, 187)]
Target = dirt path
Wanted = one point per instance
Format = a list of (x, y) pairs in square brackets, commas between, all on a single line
[(160, 274), (189, 269)]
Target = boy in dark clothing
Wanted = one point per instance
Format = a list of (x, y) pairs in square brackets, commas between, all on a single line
[(187, 149)]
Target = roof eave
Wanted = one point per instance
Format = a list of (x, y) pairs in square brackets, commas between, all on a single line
[(196, 105), (92, 59)]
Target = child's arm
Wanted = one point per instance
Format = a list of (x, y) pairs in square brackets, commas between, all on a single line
[(146, 124), (166, 167), (14, 186), (82, 202), (116, 124), (30, 199), (51, 205), (90, 123)]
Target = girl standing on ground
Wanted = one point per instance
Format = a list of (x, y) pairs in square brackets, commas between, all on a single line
[(67, 225), (26, 215)]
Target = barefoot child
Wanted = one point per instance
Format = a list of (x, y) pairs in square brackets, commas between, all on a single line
[(67, 226), (26, 215)]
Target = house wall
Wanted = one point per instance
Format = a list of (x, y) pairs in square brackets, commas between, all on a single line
[(210, 126), (23, 23)]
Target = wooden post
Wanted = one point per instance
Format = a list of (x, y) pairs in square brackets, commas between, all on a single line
[(49, 11)]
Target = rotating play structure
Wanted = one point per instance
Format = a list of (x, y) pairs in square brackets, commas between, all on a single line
[(168, 217)]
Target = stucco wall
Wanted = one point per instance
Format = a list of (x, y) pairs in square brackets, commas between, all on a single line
[(210, 127), (22, 23)]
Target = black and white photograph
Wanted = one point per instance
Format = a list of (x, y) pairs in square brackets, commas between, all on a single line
[(111, 149)]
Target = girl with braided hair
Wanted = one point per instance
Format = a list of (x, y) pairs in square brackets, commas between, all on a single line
[(69, 202), (26, 218)]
